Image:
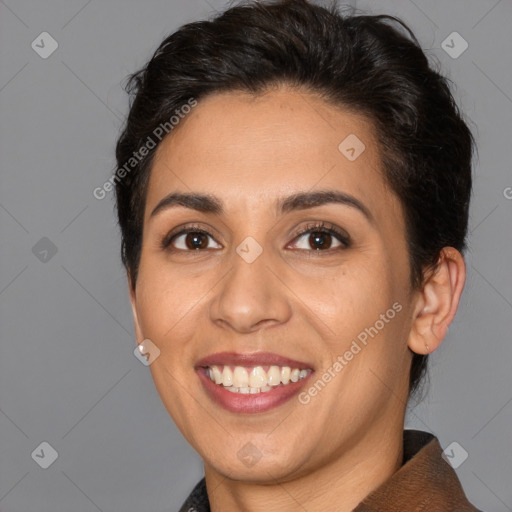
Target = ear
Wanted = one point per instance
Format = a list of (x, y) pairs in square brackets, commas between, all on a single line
[(133, 301), (437, 302)]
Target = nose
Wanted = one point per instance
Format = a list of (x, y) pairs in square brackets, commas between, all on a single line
[(250, 297)]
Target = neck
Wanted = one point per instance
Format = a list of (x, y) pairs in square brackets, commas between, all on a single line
[(338, 485)]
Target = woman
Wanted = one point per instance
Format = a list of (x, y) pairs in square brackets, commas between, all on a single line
[(293, 189)]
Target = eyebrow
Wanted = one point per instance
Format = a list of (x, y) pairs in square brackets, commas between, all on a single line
[(207, 203)]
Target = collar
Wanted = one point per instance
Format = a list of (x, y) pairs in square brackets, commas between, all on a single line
[(425, 482)]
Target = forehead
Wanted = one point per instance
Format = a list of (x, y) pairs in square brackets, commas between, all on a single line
[(247, 149)]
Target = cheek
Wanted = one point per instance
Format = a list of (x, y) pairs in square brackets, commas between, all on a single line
[(350, 298), (361, 313), (164, 300)]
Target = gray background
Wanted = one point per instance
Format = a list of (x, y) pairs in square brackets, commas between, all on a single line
[(68, 375)]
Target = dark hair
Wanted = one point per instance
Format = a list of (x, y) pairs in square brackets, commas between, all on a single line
[(372, 65)]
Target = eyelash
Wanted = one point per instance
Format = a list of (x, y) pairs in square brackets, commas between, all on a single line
[(320, 227)]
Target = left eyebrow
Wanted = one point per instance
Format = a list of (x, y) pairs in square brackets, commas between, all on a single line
[(207, 203), (306, 200)]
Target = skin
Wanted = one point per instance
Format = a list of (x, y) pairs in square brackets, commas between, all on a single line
[(294, 299)]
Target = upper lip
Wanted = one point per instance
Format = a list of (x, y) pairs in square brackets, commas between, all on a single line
[(252, 359)]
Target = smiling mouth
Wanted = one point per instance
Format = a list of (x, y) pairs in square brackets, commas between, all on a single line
[(254, 379), (252, 382)]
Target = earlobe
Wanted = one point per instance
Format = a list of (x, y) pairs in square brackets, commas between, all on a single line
[(133, 302), (437, 302)]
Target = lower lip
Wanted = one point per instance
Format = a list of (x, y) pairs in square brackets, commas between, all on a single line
[(247, 403)]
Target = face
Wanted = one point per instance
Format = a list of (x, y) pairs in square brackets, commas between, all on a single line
[(272, 253)]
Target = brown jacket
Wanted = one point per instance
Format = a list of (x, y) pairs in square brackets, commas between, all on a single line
[(424, 483)]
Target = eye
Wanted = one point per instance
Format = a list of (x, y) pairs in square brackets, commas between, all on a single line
[(317, 237), (190, 239), (321, 238)]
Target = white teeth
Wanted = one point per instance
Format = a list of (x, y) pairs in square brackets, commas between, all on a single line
[(257, 377), (216, 375), (227, 376), (240, 377), (274, 376), (256, 380)]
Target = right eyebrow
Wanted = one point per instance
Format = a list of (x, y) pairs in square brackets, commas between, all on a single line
[(204, 203)]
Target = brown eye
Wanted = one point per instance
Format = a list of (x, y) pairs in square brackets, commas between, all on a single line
[(196, 240), (320, 240), (191, 240)]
